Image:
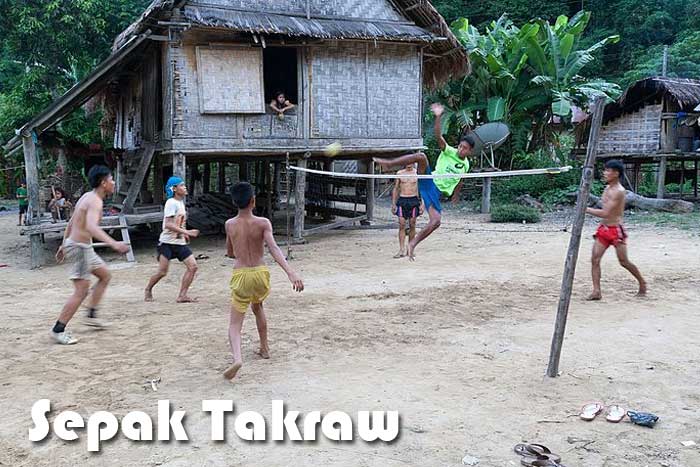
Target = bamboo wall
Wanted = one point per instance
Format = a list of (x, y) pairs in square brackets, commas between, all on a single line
[(634, 133)]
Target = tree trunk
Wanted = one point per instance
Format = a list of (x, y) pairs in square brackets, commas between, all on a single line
[(633, 200)]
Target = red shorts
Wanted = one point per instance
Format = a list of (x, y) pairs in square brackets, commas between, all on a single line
[(611, 235)]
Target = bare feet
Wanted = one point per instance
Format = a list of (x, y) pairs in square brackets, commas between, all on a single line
[(399, 254), (186, 299), (148, 296), (264, 353), (594, 297), (411, 251), (232, 370), (642, 290)]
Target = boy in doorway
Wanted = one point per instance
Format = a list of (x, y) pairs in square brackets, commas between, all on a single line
[(174, 240), (77, 248), (280, 104), (407, 205), (611, 231), (246, 237), (451, 161)]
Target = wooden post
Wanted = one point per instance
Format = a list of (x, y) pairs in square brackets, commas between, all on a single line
[(243, 172), (222, 177), (277, 184), (179, 165), (661, 189), (370, 192), (575, 242), (695, 188), (300, 201), (158, 182), (269, 184), (682, 179), (486, 196), (206, 178), (31, 169)]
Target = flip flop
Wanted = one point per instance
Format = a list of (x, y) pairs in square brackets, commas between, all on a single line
[(533, 451), (546, 463), (590, 411), (615, 414)]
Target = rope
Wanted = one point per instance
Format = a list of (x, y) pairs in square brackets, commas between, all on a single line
[(12, 168), (510, 173)]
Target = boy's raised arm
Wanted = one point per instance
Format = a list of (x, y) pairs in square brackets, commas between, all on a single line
[(294, 278)]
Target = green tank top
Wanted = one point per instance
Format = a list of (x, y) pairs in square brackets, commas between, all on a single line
[(449, 162)]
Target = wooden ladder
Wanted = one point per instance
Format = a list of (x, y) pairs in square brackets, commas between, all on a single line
[(126, 238), (135, 176)]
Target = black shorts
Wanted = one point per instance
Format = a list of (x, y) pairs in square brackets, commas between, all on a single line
[(23, 209), (179, 252), (408, 207)]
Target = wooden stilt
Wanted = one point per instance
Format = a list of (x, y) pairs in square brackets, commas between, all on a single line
[(370, 192), (31, 168), (179, 166), (221, 186), (486, 197), (300, 201), (158, 182), (206, 178), (661, 189), (575, 242), (695, 188)]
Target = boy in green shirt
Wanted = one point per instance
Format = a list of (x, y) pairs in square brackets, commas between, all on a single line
[(451, 161), (23, 201)]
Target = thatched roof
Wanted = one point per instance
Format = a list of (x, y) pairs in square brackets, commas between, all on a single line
[(685, 92), (445, 58)]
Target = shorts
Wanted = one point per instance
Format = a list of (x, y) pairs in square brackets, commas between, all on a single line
[(408, 207), (170, 251), (23, 209), (249, 286), (609, 235), (429, 192), (84, 260)]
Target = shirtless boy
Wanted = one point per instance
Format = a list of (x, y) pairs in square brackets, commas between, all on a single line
[(611, 231), (451, 161), (407, 205), (246, 237), (77, 248)]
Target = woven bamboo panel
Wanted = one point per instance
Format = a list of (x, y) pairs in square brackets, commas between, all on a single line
[(359, 9), (271, 6), (230, 80), (635, 133), (339, 91), (394, 91)]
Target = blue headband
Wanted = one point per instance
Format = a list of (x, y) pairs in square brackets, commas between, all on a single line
[(172, 183)]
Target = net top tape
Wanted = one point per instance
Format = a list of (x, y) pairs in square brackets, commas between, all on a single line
[(510, 173)]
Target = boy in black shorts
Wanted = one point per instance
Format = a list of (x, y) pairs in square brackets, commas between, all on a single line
[(173, 242), (407, 205)]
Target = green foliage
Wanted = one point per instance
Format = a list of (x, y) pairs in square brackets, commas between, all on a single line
[(515, 213)]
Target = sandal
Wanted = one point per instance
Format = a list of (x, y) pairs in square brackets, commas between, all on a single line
[(615, 414), (532, 452), (590, 411)]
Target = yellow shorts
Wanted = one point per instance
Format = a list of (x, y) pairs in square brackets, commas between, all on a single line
[(249, 285)]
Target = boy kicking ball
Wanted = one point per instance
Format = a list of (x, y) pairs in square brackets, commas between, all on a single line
[(246, 237)]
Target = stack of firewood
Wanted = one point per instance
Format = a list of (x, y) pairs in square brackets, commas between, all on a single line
[(209, 212)]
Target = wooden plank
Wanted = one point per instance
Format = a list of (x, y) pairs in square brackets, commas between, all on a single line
[(575, 242), (486, 197), (334, 225), (127, 239), (31, 169), (300, 201), (179, 165)]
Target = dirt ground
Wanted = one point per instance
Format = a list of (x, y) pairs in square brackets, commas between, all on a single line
[(457, 342)]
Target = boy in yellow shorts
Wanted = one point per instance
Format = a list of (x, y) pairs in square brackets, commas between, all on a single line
[(246, 237)]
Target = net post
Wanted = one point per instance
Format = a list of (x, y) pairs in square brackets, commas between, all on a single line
[(300, 199), (575, 242), (486, 196), (289, 200)]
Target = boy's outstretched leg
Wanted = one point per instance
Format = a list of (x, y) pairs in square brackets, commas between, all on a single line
[(234, 337), (261, 323), (402, 161), (622, 257), (435, 218), (163, 266), (596, 257)]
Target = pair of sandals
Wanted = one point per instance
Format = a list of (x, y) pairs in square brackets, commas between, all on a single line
[(537, 455), (614, 413)]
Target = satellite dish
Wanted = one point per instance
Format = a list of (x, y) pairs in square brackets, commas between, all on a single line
[(487, 138)]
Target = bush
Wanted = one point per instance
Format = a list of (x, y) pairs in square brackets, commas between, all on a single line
[(515, 213)]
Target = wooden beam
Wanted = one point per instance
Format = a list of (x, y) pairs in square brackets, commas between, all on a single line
[(334, 225), (300, 201), (31, 169), (486, 196), (575, 242), (661, 178)]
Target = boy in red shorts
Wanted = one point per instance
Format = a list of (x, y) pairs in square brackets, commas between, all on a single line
[(610, 231)]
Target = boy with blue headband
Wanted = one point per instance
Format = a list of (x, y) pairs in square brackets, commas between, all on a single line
[(174, 240)]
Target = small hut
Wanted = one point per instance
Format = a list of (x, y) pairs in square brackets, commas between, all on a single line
[(186, 89), (655, 125)]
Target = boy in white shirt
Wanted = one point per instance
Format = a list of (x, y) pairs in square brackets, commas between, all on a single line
[(173, 242)]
